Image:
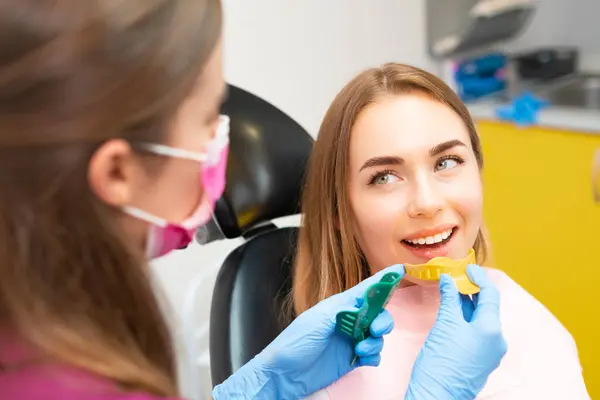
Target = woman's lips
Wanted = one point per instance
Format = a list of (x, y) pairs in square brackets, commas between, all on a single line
[(436, 246), (431, 233)]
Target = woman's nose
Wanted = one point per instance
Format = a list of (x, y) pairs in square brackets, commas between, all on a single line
[(427, 201)]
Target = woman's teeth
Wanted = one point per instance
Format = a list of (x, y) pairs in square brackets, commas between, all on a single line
[(438, 238)]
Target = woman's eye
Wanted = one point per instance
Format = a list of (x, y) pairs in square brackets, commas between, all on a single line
[(446, 164), (384, 179)]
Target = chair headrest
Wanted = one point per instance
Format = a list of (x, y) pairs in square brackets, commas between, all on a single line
[(268, 155)]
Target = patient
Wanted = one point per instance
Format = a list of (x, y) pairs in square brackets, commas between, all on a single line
[(395, 178)]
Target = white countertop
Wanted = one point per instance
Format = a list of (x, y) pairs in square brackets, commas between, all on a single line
[(564, 118), (572, 118)]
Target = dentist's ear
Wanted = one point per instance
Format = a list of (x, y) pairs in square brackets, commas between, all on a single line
[(111, 172)]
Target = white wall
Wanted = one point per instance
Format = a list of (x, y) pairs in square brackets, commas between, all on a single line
[(297, 55)]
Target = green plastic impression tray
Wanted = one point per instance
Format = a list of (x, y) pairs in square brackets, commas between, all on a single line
[(356, 324)]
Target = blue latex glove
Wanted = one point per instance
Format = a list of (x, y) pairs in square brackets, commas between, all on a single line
[(310, 354), (464, 346), (523, 110)]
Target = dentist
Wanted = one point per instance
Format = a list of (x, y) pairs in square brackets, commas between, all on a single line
[(112, 152)]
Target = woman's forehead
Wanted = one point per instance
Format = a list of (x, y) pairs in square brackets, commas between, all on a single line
[(404, 124)]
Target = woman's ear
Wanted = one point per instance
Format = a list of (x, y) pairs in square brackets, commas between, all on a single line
[(111, 172)]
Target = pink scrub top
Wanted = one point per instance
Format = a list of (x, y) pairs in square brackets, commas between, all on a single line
[(541, 361), (50, 381)]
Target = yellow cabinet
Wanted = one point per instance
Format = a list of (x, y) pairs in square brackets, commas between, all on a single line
[(542, 212)]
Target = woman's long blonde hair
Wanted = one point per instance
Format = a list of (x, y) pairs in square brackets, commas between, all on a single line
[(328, 259), (74, 74)]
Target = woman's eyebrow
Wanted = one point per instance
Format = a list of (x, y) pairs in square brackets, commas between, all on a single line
[(442, 147), (380, 161), (394, 160)]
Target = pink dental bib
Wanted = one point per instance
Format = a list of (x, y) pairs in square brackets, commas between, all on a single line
[(541, 362)]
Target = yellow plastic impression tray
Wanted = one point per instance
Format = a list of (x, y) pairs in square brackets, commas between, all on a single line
[(457, 269)]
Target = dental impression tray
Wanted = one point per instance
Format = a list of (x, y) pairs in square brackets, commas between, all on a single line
[(457, 269), (356, 324)]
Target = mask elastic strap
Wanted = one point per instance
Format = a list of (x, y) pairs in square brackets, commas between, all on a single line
[(219, 142), (145, 216), (223, 128), (163, 150)]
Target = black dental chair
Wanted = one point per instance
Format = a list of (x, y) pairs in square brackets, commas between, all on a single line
[(267, 160)]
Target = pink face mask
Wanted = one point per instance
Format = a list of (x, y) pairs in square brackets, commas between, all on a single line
[(165, 236)]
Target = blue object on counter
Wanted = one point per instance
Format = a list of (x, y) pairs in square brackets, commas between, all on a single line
[(523, 110), (474, 88), (481, 76), (483, 66)]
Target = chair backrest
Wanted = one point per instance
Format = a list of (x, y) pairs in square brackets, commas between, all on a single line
[(268, 156)]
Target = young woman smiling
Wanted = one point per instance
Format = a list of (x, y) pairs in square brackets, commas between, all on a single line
[(395, 177)]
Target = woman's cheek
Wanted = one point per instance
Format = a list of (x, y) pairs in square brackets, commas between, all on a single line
[(467, 201), (376, 224)]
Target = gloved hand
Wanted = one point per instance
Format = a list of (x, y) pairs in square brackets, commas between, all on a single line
[(310, 354), (462, 350)]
